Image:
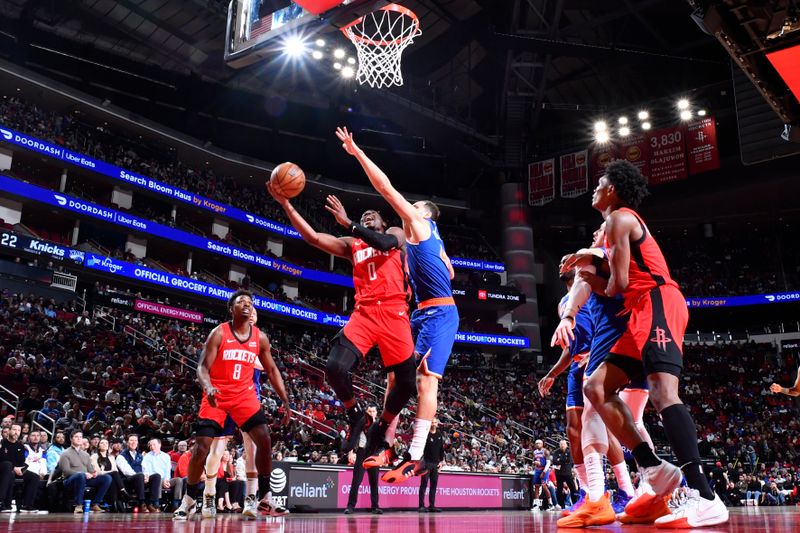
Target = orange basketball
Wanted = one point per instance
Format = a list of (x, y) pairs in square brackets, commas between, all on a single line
[(288, 179)]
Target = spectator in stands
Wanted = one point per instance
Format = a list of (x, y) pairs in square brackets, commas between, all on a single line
[(129, 463), (12, 467), (31, 401), (112, 396), (105, 464), (157, 463), (54, 451), (35, 455), (76, 465)]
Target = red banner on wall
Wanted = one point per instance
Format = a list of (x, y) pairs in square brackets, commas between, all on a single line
[(667, 155), (602, 155), (541, 182), (701, 145), (574, 174), (636, 149)]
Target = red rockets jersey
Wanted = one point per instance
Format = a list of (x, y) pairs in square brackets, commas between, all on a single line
[(379, 276), (232, 370)]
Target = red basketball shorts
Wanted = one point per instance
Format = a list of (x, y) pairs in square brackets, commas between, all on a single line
[(241, 405), (384, 325), (655, 332)]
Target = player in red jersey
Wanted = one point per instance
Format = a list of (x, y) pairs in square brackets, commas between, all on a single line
[(652, 346), (225, 372), (380, 316)]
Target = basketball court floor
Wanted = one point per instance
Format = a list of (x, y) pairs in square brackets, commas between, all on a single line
[(749, 520)]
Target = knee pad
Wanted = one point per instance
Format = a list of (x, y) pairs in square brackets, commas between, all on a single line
[(343, 357), (594, 430), (405, 385)]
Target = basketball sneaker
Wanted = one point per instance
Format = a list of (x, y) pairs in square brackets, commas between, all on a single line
[(621, 499), (694, 511), (209, 509), (591, 513), (250, 509), (406, 470), (186, 509), (575, 506), (661, 480), (383, 457), (269, 506)]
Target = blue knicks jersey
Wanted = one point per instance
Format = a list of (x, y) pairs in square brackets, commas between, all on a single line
[(584, 327), (539, 460), (429, 267), (610, 319)]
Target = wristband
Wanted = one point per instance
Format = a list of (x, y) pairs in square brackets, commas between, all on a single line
[(569, 317)]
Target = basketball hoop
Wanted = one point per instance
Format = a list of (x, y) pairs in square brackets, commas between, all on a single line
[(380, 38)]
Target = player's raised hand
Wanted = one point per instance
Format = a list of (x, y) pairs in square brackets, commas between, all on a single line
[(575, 261), (598, 284), (335, 207), (545, 384), (348, 144), (563, 335), (211, 395), (276, 195)]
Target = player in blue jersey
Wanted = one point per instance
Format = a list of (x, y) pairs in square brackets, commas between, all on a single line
[(434, 323)]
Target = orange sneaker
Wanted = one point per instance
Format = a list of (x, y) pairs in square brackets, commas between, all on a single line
[(382, 458), (650, 507), (405, 471), (591, 513)]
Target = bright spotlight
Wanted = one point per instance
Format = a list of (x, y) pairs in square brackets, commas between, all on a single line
[(338, 53), (348, 72), (646, 126), (600, 126), (683, 103), (624, 131), (337, 66), (316, 54), (643, 115), (686, 114), (702, 112), (602, 137), (351, 60), (622, 121), (294, 47), (320, 42)]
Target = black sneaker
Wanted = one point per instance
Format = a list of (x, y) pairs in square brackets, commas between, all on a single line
[(377, 510), (434, 510), (349, 510), (422, 510)]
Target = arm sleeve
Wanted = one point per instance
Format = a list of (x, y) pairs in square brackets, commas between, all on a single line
[(380, 241)]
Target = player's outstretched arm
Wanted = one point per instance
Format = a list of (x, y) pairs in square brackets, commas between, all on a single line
[(274, 375), (380, 181), (324, 241), (794, 390), (392, 238), (562, 364), (618, 233), (207, 357)]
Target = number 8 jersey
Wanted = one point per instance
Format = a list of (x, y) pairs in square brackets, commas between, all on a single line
[(379, 276), (232, 370)]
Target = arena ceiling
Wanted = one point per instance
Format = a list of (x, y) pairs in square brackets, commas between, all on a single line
[(500, 77)]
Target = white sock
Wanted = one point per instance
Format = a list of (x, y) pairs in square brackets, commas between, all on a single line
[(623, 478), (391, 430), (211, 486), (595, 477), (580, 470), (421, 430), (251, 486)]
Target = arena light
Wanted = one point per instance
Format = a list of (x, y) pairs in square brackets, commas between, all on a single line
[(686, 114), (683, 104), (602, 137), (294, 47), (701, 113), (351, 60), (348, 72), (643, 115), (337, 66), (599, 126), (646, 126), (622, 121), (339, 53), (320, 42), (316, 54), (624, 131)]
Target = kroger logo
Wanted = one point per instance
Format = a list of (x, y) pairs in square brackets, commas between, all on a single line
[(110, 265), (770, 298), (277, 480), (60, 199), (7, 135)]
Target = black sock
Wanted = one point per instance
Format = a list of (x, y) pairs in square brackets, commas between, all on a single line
[(263, 486), (645, 456), (192, 490), (682, 435)]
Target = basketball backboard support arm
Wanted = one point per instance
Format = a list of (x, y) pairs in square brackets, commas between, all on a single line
[(250, 38)]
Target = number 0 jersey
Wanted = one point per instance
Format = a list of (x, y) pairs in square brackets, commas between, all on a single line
[(232, 370), (379, 276)]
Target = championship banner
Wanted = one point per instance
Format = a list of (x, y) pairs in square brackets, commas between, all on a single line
[(701, 145), (601, 156), (636, 149), (541, 182), (574, 174), (667, 155)]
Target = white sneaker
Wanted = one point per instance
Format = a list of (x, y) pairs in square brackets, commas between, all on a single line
[(186, 509), (209, 506), (663, 479), (694, 511), (536, 509), (272, 508), (250, 507)]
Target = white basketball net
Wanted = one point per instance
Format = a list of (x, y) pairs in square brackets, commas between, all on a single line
[(380, 38)]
